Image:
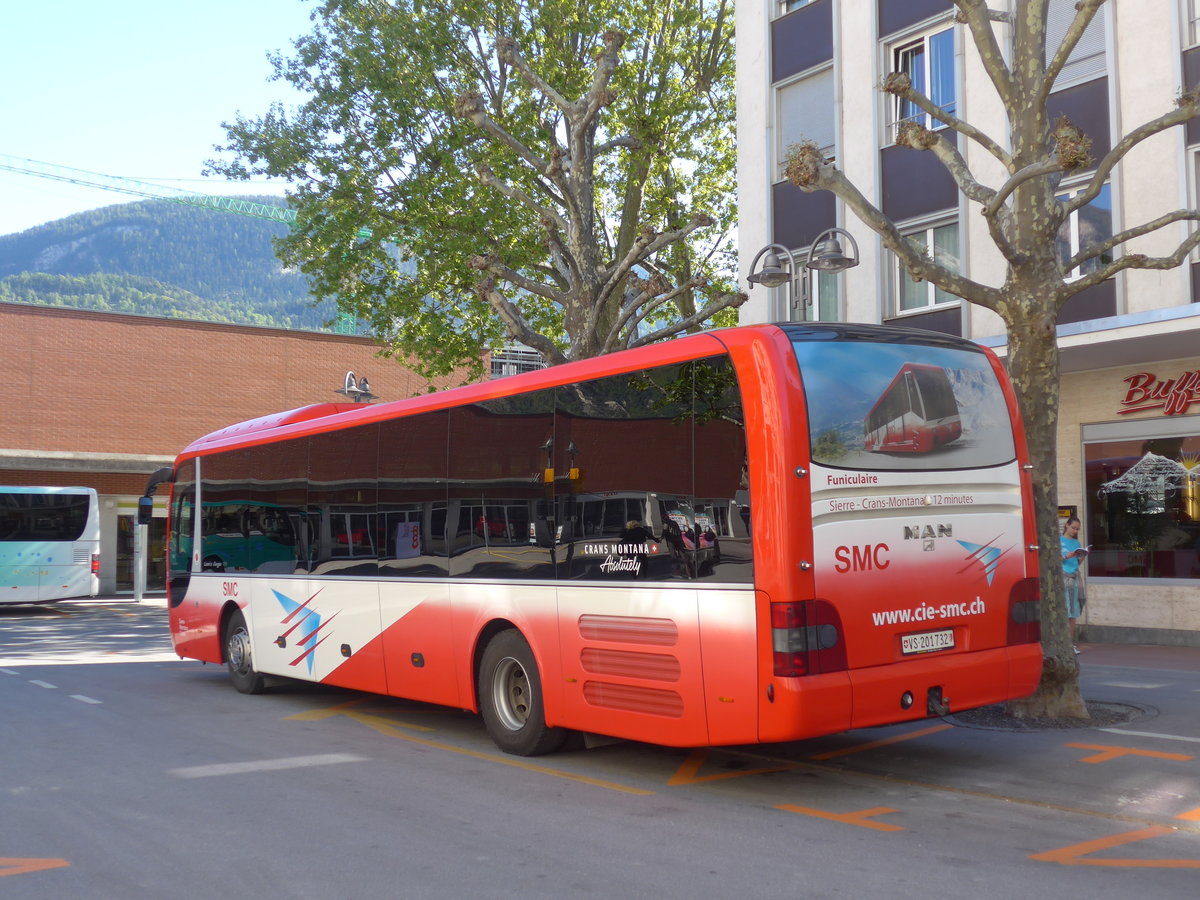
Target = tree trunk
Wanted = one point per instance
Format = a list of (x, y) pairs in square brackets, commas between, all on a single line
[(1033, 366)]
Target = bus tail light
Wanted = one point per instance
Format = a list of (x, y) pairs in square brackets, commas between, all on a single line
[(806, 637), (1024, 612), (95, 563)]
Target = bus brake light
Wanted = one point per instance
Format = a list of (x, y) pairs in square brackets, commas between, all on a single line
[(95, 563), (1024, 612), (806, 637)]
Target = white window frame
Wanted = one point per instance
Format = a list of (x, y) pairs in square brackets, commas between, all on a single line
[(1089, 60), (1191, 23), (787, 6), (899, 274), (788, 301), (784, 141), (1072, 224), (922, 40)]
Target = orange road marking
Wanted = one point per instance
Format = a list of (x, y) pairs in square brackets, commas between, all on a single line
[(1191, 816), (392, 728), (688, 772), (846, 751), (1106, 753), (379, 723), (17, 866), (862, 818), (1071, 856)]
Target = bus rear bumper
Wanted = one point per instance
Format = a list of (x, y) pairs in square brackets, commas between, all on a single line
[(942, 685)]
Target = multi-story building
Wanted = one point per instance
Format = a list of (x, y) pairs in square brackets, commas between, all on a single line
[(1129, 433)]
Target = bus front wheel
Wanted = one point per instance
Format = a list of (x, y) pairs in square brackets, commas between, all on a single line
[(510, 698), (239, 658)]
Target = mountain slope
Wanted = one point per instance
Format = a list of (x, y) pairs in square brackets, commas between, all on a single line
[(155, 257)]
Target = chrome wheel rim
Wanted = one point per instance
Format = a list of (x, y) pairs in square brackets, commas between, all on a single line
[(511, 694), (239, 651)]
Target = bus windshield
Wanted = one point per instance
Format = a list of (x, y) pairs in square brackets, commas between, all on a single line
[(876, 405)]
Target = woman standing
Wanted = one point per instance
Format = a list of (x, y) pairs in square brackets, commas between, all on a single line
[(1072, 553)]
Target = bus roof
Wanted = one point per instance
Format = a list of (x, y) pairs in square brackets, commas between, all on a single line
[(329, 416)]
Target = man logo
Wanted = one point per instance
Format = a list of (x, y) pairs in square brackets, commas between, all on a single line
[(927, 532)]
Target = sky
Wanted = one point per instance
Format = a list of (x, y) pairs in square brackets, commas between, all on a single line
[(131, 88)]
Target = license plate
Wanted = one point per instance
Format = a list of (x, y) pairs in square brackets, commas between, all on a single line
[(926, 641)]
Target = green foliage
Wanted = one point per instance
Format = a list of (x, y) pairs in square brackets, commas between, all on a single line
[(828, 447), (378, 144), (158, 258)]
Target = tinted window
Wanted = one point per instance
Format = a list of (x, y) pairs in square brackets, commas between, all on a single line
[(412, 496), (882, 405), (252, 505), (341, 527), (657, 457), (501, 517), (42, 517)]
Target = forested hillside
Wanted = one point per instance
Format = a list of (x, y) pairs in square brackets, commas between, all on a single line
[(158, 258)]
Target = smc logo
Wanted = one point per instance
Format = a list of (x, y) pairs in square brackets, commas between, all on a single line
[(861, 559), (229, 588)]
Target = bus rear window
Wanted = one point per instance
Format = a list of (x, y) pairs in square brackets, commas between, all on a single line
[(892, 406)]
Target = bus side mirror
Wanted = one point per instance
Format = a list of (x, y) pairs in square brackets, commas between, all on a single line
[(145, 510)]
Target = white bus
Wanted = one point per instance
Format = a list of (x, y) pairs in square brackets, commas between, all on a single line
[(49, 544)]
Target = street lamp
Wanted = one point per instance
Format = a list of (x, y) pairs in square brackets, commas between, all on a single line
[(825, 254)]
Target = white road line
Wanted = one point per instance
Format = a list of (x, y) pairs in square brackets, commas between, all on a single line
[(82, 699), (45, 684), (9, 671), (1142, 685), (1152, 734), (265, 765), (89, 659)]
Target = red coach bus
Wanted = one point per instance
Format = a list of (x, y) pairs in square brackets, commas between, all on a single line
[(685, 544)]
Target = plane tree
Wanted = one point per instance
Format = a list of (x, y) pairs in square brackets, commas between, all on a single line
[(540, 171)]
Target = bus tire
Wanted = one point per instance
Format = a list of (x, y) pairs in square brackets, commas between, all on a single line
[(239, 659), (510, 698)]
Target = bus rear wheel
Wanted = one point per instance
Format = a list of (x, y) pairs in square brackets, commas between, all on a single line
[(510, 698), (238, 657)]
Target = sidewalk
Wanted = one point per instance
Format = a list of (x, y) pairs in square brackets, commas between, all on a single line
[(1141, 656)]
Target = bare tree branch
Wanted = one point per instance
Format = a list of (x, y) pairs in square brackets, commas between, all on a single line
[(1133, 261), (638, 308), (470, 107), (1092, 251), (493, 265), (977, 17), (508, 52), (726, 301), (1188, 108), (514, 322), (900, 86), (488, 177)]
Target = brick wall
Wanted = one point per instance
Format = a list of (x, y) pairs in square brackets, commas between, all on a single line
[(107, 383)]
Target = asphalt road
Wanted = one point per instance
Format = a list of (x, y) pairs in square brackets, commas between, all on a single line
[(128, 773)]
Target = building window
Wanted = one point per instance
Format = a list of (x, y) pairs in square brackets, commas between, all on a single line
[(928, 61), (1191, 32), (1142, 507), (812, 297), (806, 111), (920, 295), (1087, 60), (786, 6), (1086, 227)]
